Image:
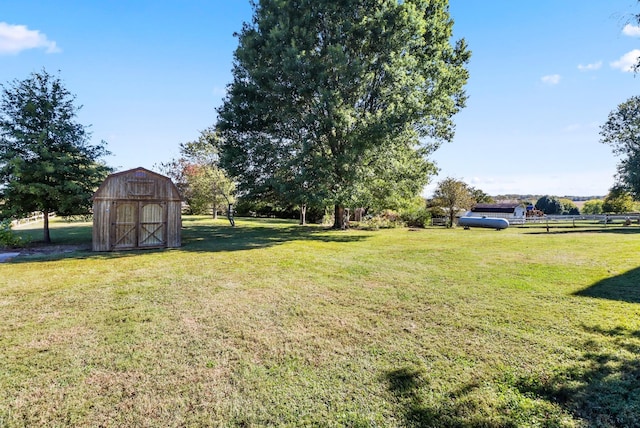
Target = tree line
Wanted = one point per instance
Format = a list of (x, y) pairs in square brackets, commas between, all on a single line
[(332, 104)]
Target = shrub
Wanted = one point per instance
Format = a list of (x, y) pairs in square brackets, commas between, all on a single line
[(7, 237), (416, 217), (387, 219)]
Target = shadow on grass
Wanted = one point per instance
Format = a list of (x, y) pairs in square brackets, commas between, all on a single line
[(603, 387), (61, 234), (198, 236), (406, 383), (260, 234), (598, 388), (563, 230), (624, 288), (409, 386)]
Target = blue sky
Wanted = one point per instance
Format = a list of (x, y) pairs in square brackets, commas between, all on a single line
[(544, 76)]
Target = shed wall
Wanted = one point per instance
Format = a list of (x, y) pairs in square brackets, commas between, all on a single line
[(138, 195), (101, 226)]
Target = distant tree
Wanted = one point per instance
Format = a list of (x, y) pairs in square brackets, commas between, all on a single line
[(331, 92), (452, 195), (208, 189), (622, 132), (197, 175), (568, 207), (47, 163), (593, 206), (549, 205), (434, 210), (618, 201), (480, 197)]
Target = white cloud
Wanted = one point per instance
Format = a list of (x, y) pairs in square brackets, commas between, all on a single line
[(627, 61), (631, 30), (16, 38), (551, 79), (573, 127), (590, 67)]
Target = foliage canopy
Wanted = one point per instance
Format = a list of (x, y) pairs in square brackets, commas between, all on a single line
[(47, 163), (618, 201), (341, 102), (197, 174), (593, 206), (550, 205), (453, 195), (622, 132)]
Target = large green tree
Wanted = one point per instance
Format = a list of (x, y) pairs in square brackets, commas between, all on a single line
[(622, 132), (47, 163), (327, 95)]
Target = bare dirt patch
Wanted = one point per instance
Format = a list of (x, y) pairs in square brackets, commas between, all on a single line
[(39, 250)]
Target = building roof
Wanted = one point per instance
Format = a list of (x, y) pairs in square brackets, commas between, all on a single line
[(495, 208), (137, 183)]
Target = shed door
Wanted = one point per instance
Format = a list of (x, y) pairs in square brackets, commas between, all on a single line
[(124, 225), (138, 224), (153, 225)]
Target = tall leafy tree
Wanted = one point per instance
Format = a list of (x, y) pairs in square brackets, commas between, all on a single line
[(453, 196), (622, 132), (327, 95), (47, 163)]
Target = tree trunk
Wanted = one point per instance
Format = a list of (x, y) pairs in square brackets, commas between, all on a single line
[(215, 214), (46, 235), (339, 221), (230, 215), (303, 214)]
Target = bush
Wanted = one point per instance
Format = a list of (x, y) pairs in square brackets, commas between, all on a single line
[(416, 217), (387, 219), (7, 237)]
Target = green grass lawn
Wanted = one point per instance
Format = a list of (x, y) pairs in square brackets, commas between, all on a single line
[(274, 324)]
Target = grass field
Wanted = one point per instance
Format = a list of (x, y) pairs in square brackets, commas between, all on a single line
[(274, 324)]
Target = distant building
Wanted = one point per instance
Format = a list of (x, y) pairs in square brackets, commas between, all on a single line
[(513, 212)]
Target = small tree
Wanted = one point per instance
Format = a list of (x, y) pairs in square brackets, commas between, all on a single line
[(549, 205), (46, 161), (568, 207), (453, 195), (481, 197), (618, 201), (197, 175), (593, 206)]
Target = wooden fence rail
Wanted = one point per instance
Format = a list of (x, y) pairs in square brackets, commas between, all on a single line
[(557, 220), (34, 217)]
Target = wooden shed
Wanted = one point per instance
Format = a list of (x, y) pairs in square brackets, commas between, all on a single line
[(136, 209)]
